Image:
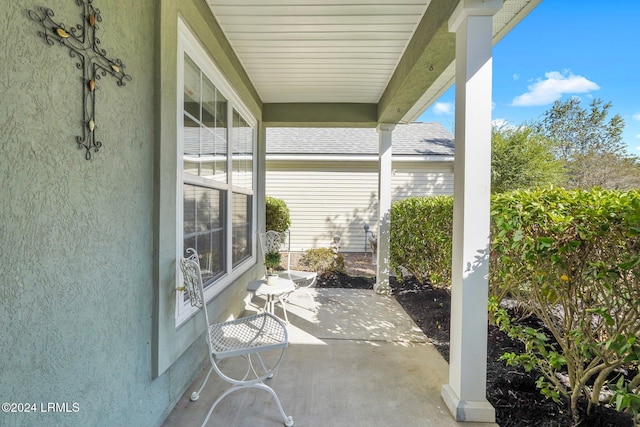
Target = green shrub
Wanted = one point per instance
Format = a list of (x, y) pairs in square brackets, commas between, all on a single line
[(277, 213), (323, 260), (272, 261), (421, 238), (572, 258)]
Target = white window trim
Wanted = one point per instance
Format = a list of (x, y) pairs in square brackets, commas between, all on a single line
[(189, 44)]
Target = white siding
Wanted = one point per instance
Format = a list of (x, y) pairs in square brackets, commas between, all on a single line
[(412, 179), (338, 198)]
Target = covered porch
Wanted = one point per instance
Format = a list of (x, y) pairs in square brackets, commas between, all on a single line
[(334, 69), (358, 361)]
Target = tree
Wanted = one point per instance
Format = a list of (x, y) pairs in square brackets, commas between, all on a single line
[(605, 170), (590, 145), (522, 158), (578, 131)]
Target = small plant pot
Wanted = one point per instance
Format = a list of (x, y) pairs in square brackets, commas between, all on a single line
[(272, 279)]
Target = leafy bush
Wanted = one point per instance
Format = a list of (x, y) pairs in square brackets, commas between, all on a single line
[(277, 212), (421, 238), (572, 258), (323, 260)]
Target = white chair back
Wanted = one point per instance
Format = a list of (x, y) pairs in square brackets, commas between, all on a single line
[(192, 279)]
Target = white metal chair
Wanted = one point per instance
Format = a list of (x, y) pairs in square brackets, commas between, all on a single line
[(303, 280), (244, 337)]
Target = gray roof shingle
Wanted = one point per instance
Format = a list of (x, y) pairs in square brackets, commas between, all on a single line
[(411, 139)]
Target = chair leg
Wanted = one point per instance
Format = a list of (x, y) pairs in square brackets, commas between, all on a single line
[(284, 308), (288, 420), (196, 394), (264, 368)]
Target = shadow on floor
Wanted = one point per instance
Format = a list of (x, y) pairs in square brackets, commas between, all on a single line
[(359, 361)]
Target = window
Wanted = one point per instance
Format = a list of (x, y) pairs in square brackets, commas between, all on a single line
[(242, 141), (216, 174)]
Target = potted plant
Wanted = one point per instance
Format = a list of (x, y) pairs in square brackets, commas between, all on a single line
[(272, 261)]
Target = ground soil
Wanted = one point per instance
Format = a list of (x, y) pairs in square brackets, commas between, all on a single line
[(510, 390)]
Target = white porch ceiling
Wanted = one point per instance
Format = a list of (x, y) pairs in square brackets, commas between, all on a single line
[(315, 51), (333, 51)]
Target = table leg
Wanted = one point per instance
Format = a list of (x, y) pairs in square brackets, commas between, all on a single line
[(270, 304)]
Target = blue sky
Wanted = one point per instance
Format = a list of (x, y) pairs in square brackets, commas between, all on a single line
[(564, 48)]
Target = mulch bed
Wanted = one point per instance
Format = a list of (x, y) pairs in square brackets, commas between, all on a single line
[(510, 390)]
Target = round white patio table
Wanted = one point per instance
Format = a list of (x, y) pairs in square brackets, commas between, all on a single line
[(274, 293)]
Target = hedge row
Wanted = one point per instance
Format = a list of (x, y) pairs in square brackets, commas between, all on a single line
[(420, 244), (571, 258)]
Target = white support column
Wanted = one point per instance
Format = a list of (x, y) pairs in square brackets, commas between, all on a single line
[(384, 208), (465, 395)]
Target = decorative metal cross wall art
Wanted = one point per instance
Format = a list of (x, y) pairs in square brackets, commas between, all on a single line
[(83, 44)]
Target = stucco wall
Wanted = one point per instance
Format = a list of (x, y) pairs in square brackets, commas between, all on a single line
[(78, 252)]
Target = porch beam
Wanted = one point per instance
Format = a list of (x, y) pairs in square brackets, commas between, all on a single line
[(320, 115), (428, 54), (385, 131), (465, 395)]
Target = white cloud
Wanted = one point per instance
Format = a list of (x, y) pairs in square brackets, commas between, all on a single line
[(516, 76), (499, 122), (503, 124), (443, 108), (637, 117), (552, 87)]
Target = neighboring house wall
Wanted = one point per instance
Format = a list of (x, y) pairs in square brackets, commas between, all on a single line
[(338, 198), (318, 211), (411, 179), (80, 273), (329, 177)]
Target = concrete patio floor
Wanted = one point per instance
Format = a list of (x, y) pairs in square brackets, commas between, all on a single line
[(359, 361)]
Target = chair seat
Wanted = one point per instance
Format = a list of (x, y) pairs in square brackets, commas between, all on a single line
[(247, 335), (297, 275)]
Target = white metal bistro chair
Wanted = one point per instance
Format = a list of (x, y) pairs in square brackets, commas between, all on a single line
[(303, 280), (245, 337)]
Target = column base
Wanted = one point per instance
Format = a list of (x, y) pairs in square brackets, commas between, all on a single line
[(382, 289), (472, 411)]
